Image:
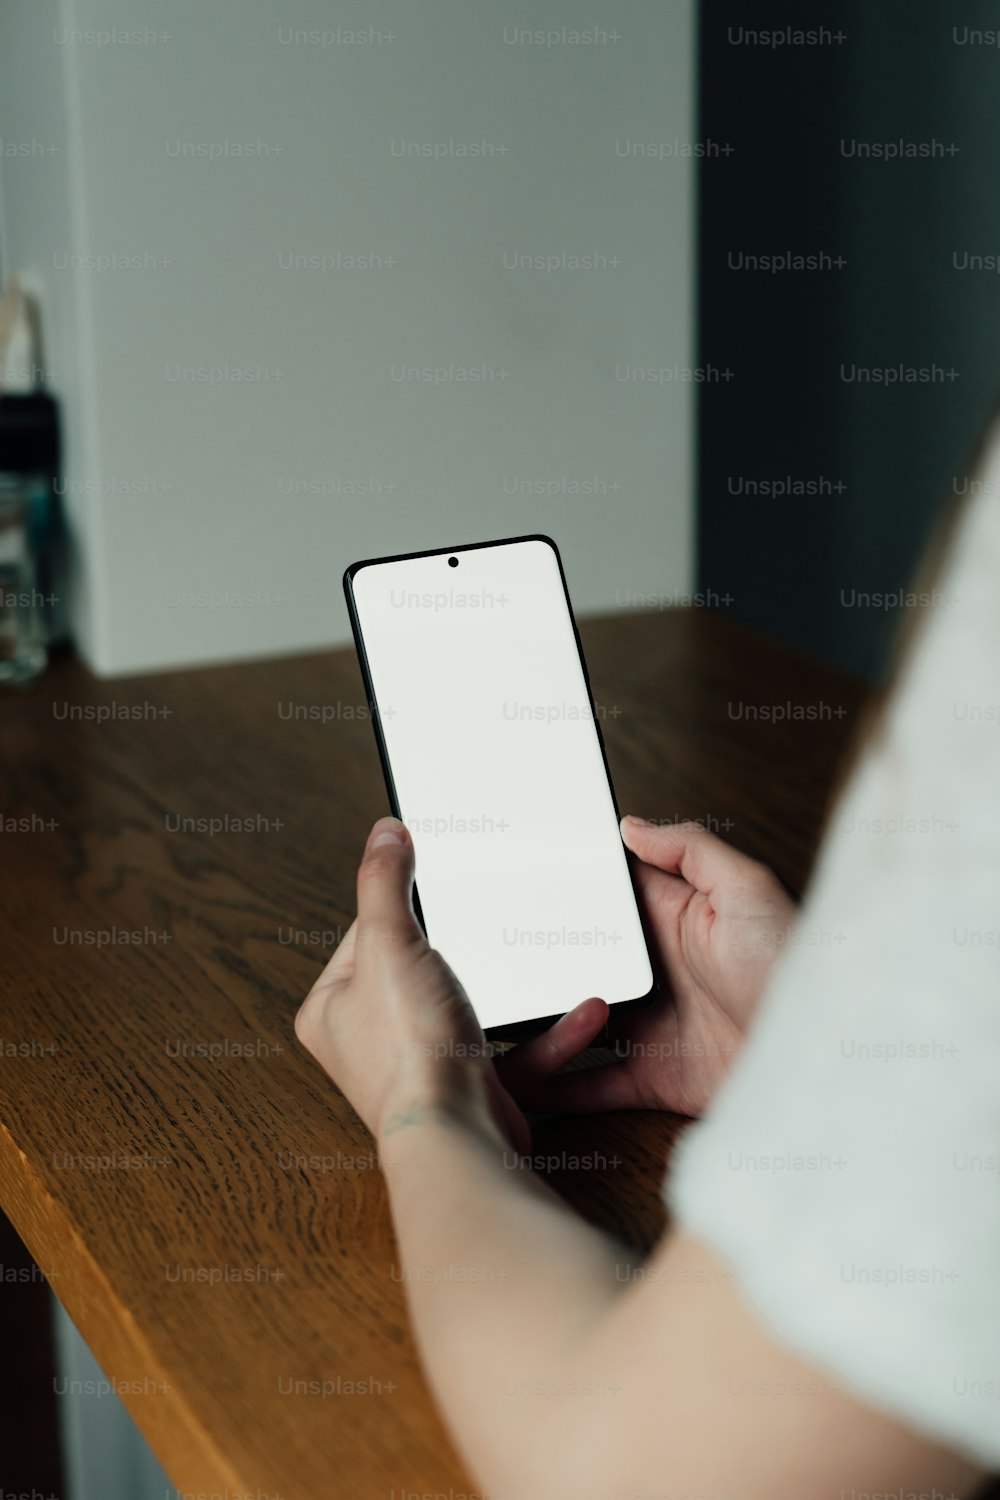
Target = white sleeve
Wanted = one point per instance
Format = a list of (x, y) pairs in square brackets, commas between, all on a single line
[(849, 1169)]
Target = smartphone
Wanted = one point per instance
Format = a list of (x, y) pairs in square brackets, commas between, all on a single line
[(493, 758)]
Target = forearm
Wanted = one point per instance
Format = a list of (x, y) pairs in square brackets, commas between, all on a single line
[(557, 1378), (505, 1284)]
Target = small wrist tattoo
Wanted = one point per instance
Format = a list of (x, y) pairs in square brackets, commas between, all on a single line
[(414, 1114)]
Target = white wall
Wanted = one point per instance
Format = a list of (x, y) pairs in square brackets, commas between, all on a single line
[(213, 463), (104, 1455)]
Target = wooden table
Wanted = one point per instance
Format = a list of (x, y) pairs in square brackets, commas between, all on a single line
[(206, 1204)]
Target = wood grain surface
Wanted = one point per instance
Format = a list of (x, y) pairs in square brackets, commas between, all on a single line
[(207, 1207)]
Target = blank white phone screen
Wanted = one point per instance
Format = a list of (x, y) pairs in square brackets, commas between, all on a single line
[(499, 776)]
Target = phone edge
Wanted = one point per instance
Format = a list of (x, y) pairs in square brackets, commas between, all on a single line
[(531, 1026)]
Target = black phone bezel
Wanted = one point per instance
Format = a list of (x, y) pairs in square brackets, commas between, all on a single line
[(517, 1029)]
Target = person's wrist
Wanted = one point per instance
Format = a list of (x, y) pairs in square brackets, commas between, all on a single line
[(433, 1090)]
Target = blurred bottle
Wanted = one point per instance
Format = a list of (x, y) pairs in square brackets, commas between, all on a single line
[(29, 454)]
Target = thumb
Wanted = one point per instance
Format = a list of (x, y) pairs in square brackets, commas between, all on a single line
[(385, 887)]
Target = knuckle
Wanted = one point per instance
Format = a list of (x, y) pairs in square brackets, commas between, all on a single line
[(308, 1016), (302, 1023), (374, 934)]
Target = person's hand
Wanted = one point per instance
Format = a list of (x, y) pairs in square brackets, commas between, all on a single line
[(393, 1027), (718, 920)]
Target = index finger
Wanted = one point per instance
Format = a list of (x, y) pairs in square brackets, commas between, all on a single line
[(703, 859), (550, 1050)]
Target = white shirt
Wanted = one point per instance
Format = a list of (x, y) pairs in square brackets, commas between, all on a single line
[(850, 1167)]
